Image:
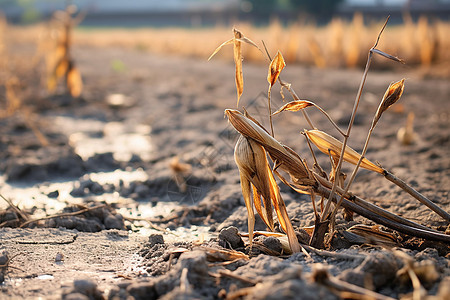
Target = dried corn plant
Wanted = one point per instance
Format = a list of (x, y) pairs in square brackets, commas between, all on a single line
[(260, 189), (60, 63)]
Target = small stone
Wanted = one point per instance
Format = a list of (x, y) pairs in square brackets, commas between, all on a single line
[(75, 296), (59, 257), (85, 287), (4, 258), (142, 190), (273, 244), (96, 188), (154, 239), (229, 237), (53, 194), (113, 222), (78, 192)]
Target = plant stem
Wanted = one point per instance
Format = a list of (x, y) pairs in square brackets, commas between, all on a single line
[(355, 170), (350, 125), (329, 118), (373, 208), (420, 233), (270, 110), (391, 177), (346, 136)]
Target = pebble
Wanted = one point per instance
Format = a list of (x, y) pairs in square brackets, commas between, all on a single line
[(154, 239)]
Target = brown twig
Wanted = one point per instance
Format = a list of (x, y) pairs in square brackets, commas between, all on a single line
[(227, 273), (417, 195), (15, 208), (131, 219), (325, 214), (62, 215)]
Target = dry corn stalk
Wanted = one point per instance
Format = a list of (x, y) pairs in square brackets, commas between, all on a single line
[(59, 62), (256, 141)]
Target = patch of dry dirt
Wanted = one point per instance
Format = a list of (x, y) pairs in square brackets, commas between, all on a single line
[(174, 107)]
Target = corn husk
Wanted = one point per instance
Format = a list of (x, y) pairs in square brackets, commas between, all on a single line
[(256, 175), (329, 145), (285, 158)]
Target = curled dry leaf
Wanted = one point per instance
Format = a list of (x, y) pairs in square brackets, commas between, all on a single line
[(237, 54), (329, 145), (392, 94), (295, 105), (276, 66), (216, 255), (374, 235)]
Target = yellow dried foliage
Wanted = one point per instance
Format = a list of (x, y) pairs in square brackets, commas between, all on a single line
[(256, 175), (329, 145), (295, 105), (74, 82), (276, 66), (237, 54)]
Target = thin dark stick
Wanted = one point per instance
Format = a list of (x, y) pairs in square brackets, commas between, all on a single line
[(417, 195), (420, 233), (63, 215)]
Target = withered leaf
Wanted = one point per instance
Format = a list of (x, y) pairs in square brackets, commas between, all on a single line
[(61, 68), (394, 58), (230, 41), (373, 235), (215, 255), (73, 81), (276, 66), (295, 105), (237, 54), (329, 145)]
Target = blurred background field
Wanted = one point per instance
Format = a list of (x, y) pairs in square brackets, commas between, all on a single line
[(313, 33)]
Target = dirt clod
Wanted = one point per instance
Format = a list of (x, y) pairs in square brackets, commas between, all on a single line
[(155, 239), (229, 238), (84, 289)]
